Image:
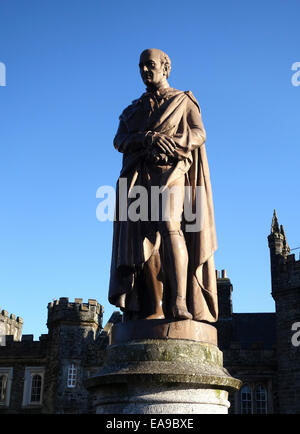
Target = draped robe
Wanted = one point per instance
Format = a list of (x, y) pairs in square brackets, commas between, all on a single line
[(178, 115)]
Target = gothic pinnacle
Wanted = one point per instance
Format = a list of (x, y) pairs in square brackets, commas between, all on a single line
[(286, 248), (275, 224)]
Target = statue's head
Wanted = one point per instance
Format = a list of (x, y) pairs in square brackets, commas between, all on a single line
[(155, 67)]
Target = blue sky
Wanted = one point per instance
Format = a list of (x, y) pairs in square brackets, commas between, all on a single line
[(71, 67)]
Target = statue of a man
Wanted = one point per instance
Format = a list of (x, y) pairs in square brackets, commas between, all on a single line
[(159, 269)]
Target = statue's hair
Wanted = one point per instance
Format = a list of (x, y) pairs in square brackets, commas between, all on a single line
[(165, 59)]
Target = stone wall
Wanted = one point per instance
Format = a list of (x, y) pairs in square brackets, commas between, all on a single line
[(19, 355)]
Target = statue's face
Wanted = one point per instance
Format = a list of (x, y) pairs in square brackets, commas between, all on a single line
[(151, 68)]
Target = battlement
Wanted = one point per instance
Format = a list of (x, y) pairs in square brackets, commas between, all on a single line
[(25, 339), (10, 324), (292, 260), (25, 348), (76, 312), (288, 273)]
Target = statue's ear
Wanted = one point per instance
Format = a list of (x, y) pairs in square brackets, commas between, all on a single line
[(167, 70)]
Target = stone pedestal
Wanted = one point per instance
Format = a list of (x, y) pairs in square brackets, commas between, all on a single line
[(148, 369)]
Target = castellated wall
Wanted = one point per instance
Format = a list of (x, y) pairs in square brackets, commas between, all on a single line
[(10, 325)]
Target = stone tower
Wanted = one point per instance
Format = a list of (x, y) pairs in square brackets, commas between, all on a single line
[(285, 276), (73, 327), (10, 325)]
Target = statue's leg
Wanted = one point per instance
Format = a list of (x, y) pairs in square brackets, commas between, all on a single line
[(175, 250), (154, 286), (176, 261)]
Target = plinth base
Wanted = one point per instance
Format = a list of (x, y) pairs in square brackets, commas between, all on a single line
[(162, 376), (162, 398)]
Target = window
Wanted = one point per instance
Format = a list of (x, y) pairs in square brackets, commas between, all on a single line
[(36, 388), (253, 399), (72, 376), (246, 400), (33, 386), (260, 399), (3, 388), (5, 385)]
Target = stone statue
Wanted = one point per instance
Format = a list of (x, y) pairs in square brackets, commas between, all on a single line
[(159, 269)]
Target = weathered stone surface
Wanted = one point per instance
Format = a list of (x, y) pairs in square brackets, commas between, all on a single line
[(134, 398), (137, 377), (161, 361)]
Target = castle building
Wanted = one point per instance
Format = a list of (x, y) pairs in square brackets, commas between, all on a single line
[(261, 349)]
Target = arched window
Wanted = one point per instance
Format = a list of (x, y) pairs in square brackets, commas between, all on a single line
[(246, 399), (260, 399), (33, 386), (36, 388), (3, 387)]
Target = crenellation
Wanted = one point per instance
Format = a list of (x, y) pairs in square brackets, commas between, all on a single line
[(291, 258), (63, 300), (64, 304), (27, 338), (10, 324)]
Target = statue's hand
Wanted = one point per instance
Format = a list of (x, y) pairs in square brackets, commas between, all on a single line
[(163, 143)]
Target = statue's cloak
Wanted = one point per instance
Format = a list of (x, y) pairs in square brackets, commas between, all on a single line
[(133, 242)]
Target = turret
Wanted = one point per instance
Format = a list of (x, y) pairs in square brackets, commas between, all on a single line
[(277, 239), (73, 328), (279, 249), (88, 315), (285, 274)]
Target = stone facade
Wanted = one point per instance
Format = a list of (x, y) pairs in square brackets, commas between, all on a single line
[(62, 359), (50, 375)]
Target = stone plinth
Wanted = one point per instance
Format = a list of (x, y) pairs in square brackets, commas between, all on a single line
[(149, 370)]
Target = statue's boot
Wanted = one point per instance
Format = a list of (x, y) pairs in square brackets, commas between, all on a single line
[(152, 271), (176, 257)]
